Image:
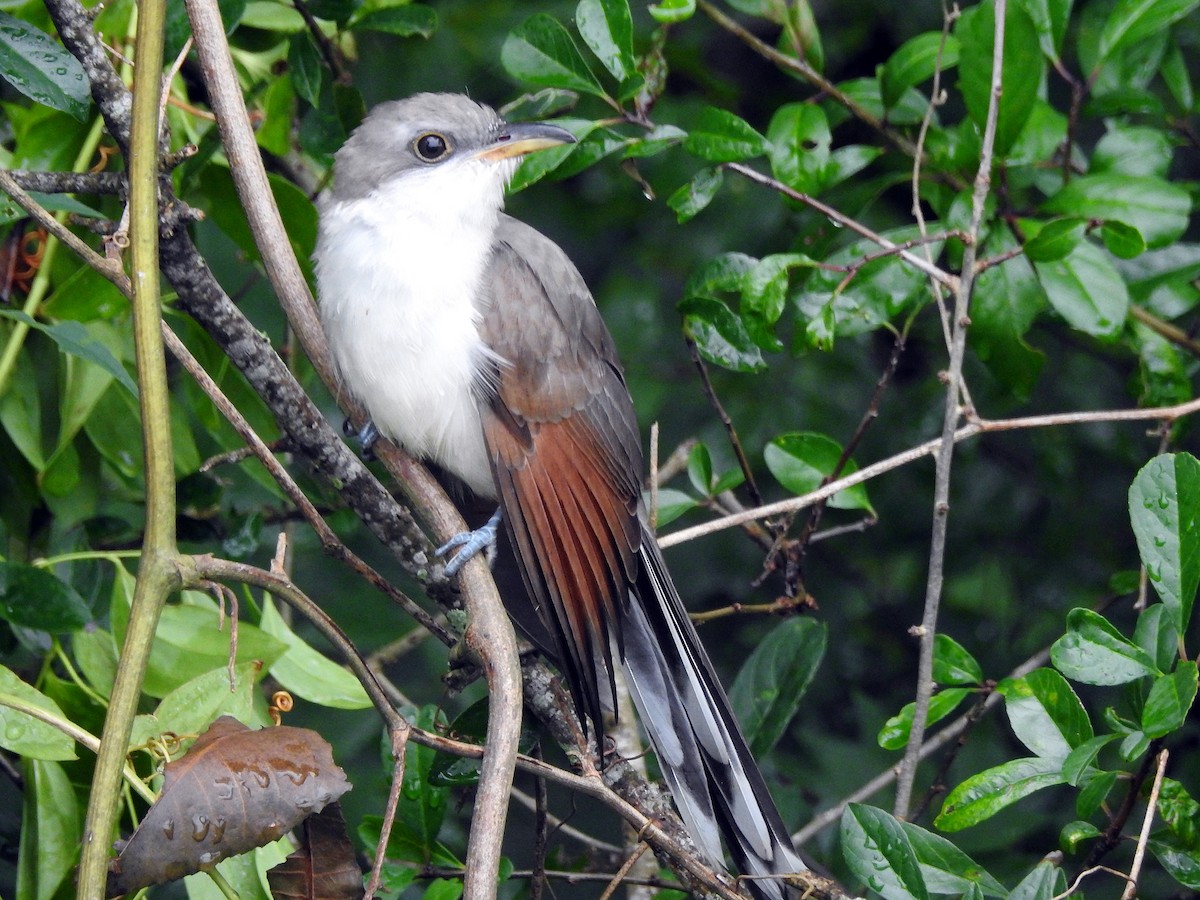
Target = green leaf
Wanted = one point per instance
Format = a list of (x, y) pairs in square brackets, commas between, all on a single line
[(692, 197), (1082, 759), (1074, 833), (952, 663), (1133, 150), (655, 141), (1170, 699), (606, 26), (945, 868), (915, 62), (74, 338), (1164, 508), (42, 69), (983, 795), (720, 335), (670, 11), (877, 849), (1049, 18), (700, 469), (765, 293), (1086, 290), (307, 673), (895, 731), (1045, 882), (269, 15), (422, 805), (443, 889), (724, 274), (1024, 68), (1132, 21), (1007, 299), (540, 51), (845, 162), (1056, 239), (26, 735), (96, 657), (196, 704), (187, 644), (719, 136), (1045, 713), (1175, 75), (410, 20), (1180, 812), (879, 290), (1135, 745), (672, 504), (799, 140), (1180, 860), (1094, 652), (1156, 633), (769, 687), (304, 63), (34, 598), (1123, 241), (50, 831), (1156, 208), (801, 460), (1095, 786)]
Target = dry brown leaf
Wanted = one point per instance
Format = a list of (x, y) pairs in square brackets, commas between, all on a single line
[(234, 790), (324, 867)]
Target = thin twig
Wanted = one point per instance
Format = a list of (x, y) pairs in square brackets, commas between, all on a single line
[(917, 262), (1151, 806), (726, 422), (812, 76), (954, 381), (951, 732), (971, 429)]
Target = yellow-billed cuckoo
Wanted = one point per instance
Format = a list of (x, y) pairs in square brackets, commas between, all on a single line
[(473, 341)]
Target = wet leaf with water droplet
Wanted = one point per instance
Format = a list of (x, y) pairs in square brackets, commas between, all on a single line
[(41, 69), (878, 851), (23, 734), (1164, 509), (234, 790)]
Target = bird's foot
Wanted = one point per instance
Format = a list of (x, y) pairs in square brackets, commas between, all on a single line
[(366, 436), (469, 544)]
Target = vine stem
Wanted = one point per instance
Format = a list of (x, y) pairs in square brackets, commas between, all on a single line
[(158, 574), (927, 630)]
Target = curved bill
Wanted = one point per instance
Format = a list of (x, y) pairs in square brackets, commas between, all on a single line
[(525, 137)]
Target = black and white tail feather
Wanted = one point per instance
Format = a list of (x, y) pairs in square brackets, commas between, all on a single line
[(703, 755)]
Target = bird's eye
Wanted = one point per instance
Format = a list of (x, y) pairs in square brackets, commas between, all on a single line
[(431, 147)]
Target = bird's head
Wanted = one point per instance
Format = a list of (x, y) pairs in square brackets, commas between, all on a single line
[(439, 140)]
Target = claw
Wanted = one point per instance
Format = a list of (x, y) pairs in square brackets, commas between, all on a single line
[(470, 543), (366, 436)]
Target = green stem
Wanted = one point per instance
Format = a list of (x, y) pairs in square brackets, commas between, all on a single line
[(77, 734), (41, 282), (159, 573)]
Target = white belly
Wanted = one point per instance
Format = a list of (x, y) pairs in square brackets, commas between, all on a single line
[(397, 308)]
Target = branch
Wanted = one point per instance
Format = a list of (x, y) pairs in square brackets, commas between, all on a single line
[(158, 574), (489, 633), (945, 455), (937, 274), (971, 429), (812, 76)]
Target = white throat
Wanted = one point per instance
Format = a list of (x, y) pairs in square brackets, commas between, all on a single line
[(399, 273)]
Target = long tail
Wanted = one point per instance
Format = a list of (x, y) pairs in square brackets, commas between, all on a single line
[(716, 784)]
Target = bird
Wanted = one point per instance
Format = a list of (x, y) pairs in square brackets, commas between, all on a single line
[(472, 341)]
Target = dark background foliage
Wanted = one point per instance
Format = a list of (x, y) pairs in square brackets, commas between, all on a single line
[(1039, 518)]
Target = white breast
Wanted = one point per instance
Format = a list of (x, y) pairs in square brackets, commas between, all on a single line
[(397, 272)]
